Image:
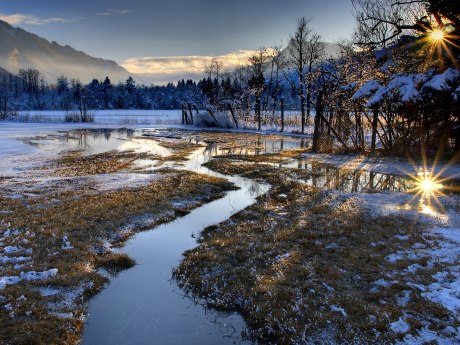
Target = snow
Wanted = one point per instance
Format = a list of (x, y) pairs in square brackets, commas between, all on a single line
[(6, 260), (425, 336), (399, 326), (409, 86), (404, 84), (66, 243), (366, 90), (11, 249), (444, 247), (402, 237), (116, 181), (440, 82), (48, 291), (339, 310), (446, 288), (29, 276), (117, 117)]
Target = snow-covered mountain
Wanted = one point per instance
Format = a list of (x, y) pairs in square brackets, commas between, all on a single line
[(22, 49)]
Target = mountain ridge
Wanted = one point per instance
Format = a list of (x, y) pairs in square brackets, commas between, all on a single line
[(22, 49)]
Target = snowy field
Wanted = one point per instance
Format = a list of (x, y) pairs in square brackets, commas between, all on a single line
[(117, 117)]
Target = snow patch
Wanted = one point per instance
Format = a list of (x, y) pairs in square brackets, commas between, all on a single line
[(399, 326)]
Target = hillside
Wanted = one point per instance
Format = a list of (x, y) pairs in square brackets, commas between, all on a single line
[(22, 49)]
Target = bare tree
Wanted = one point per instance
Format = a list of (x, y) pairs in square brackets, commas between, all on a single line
[(213, 70), (305, 50), (315, 52), (298, 55), (276, 62), (258, 64)]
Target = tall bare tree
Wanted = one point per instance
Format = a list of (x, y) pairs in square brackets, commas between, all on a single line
[(305, 50)]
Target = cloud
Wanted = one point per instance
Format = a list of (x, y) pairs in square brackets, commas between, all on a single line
[(18, 19), (113, 12), (185, 65)]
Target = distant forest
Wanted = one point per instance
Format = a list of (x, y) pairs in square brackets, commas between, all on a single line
[(395, 88)]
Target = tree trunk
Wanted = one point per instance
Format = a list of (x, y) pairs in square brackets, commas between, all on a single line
[(374, 128), (302, 101), (319, 111)]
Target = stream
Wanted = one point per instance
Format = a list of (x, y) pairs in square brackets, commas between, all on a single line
[(143, 305)]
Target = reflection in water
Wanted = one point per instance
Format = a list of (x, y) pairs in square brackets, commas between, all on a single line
[(328, 177), (320, 175)]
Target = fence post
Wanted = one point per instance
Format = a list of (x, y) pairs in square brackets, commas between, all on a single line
[(183, 114), (190, 111), (282, 114), (259, 124), (233, 114)]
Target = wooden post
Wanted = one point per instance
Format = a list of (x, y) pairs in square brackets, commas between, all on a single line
[(319, 110), (191, 113), (282, 114), (233, 114), (374, 128), (326, 122), (259, 123), (211, 113), (184, 115)]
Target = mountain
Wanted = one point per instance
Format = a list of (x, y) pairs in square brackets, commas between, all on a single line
[(22, 49), (4, 72)]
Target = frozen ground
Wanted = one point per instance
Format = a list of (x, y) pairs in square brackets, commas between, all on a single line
[(442, 226), (118, 117)]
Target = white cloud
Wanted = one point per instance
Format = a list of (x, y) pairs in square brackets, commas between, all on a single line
[(113, 12), (184, 64), (18, 19)]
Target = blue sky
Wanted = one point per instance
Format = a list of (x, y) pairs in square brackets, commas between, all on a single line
[(124, 30)]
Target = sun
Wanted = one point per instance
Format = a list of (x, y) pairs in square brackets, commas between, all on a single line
[(437, 35), (428, 186)]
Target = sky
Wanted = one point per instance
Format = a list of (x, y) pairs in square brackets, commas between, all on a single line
[(161, 40)]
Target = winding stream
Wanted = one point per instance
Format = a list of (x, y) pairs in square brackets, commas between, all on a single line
[(143, 305)]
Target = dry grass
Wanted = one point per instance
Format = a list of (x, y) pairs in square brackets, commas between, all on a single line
[(180, 149), (88, 218), (74, 163), (115, 262), (288, 261)]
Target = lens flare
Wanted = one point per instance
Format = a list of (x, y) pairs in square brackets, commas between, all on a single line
[(427, 186), (437, 35)]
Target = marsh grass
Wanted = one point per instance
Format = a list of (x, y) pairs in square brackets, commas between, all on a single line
[(180, 149), (115, 262), (292, 262), (88, 218), (75, 163)]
